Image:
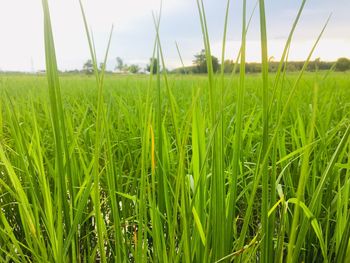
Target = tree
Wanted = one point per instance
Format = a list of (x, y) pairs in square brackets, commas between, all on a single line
[(134, 69), (88, 67), (343, 64), (317, 63), (120, 64), (153, 65), (200, 62), (229, 66)]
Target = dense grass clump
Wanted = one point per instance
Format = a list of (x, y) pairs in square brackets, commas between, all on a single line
[(164, 168)]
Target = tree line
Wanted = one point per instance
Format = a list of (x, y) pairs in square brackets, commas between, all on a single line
[(200, 66), (122, 67)]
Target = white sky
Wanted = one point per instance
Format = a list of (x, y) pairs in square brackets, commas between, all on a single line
[(21, 30)]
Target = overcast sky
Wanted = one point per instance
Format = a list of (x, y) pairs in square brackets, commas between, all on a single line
[(22, 44)]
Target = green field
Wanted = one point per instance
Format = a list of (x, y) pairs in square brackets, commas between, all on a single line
[(157, 182), (176, 168)]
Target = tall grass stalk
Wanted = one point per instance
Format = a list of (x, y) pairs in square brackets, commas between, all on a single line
[(217, 189), (61, 142), (266, 244)]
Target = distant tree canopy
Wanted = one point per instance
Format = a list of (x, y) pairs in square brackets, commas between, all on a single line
[(200, 66), (343, 64), (88, 67), (134, 69), (152, 66), (200, 63), (120, 64), (125, 68)]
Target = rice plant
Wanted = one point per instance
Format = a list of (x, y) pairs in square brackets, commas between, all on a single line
[(166, 168)]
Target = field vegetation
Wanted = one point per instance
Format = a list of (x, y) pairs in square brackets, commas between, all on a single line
[(176, 168)]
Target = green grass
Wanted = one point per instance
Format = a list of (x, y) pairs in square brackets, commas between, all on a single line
[(167, 168), (28, 175)]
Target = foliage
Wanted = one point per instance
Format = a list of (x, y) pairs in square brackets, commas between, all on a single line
[(126, 129), (343, 64), (153, 66), (200, 63), (88, 67), (255, 67), (120, 64), (134, 69), (215, 168)]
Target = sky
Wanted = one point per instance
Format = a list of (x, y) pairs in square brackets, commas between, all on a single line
[(22, 42)]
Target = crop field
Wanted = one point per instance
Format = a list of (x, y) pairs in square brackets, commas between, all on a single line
[(175, 168), (156, 182)]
